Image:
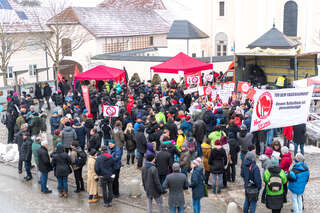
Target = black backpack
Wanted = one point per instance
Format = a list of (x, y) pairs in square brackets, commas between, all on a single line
[(81, 159), (251, 190)]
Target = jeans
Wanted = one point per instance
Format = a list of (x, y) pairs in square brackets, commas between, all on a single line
[(196, 205), (62, 183), (130, 154), (269, 137), (10, 135), (27, 166), (296, 203), (184, 171), (249, 206), (174, 209), (214, 180), (162, 178), (159, 202), (48, 102), (106, 186), (44, 179), (296, 148), (199, 150), (115, 187), (140, 159)]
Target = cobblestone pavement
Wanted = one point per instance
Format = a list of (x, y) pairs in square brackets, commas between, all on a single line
[(214, 203)]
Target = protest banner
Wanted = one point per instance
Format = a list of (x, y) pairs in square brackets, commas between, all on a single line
[(190, 90), (110, 111), (316, 88), (86, 97), (280, 108), (208, 77), (193, 79), (205, 91), (243, 87)]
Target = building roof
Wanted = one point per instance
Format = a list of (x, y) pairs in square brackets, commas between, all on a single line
[(183, 29), (110, 22), (273, 39), (147, 4), (15, 18)]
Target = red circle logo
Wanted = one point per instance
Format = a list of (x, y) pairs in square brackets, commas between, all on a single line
[(195, 80), (245, 87), (208, 90), (264, 105), (111, 111)]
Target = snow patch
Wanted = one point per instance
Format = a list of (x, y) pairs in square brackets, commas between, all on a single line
[(9, 152)]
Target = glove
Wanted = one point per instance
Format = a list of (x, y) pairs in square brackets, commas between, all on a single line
[(96, 179)]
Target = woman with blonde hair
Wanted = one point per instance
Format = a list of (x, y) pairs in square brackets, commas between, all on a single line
[(130, 143)]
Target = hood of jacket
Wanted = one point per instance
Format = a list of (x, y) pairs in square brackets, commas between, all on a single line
[(105, 156), (150, 147), (60, 149), (78, 126), (67, 129), (275, 169), (298, 166), (248, 162), (148, 164)]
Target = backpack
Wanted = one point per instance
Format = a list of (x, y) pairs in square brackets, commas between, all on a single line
[(251, 190), (207, 117), (275, 182), (81, 158)]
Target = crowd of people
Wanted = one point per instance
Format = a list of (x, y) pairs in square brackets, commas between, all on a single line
[(179, 141)]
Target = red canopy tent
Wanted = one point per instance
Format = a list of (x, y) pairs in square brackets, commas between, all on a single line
[(181, 62), (102, 73)]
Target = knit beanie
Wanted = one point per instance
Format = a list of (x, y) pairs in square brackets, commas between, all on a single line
[(251, 156), (284, 149), (274, 162), (299, 157), (197, 162)]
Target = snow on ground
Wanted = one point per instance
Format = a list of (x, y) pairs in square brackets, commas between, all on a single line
[(9, 152)]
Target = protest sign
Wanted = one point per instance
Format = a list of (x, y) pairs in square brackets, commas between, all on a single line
[(205, 91), (280, 108), (316, 88), (86, 97), (243, 87), (208, 77), (110, 111), (191, 90), (193, 79)]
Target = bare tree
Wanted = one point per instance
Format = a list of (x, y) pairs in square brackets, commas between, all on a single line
[(12, 40), (61, 27)]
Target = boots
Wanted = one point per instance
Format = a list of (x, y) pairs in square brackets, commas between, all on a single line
[(128, 160), (60, 193), (219, 190), (214, 190), (82, 186), (65, 194)]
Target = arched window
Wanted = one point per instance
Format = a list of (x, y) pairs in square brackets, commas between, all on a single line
[(66, 47), (290, 18), (221, 44)]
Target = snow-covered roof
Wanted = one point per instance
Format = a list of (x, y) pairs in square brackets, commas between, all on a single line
[(148, 4), (113, 22)]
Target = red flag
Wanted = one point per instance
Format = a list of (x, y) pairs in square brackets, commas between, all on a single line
[(251, 93), (191, 79), (76, 71), (244, 87), (86, 97), (59, 76)]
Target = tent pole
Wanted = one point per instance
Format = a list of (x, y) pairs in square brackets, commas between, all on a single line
[(188, 47)]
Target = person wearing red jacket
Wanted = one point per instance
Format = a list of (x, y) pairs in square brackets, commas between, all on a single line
[(285, 164), (288, 135), (130, 104)]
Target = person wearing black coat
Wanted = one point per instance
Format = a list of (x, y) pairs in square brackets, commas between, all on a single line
[(217, 162), (130, 143), (151, 183), (47, 92), (81, 133), (141, 143), (233, 159), (26, 154), (94, 141), (105, 168), (172, 127), (39, 95), (163, 163), (61, 163), (299, 137), (44, 166), (19, 141), (197, 184), (10, 124), (199, 132)]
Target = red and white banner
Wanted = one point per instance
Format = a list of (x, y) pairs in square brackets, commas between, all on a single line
[(193, 79), (280, 108), (86, 97), (205, 91), (208, 77), (244, 87), (110, 111)]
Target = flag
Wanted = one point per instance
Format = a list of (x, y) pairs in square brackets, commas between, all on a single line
[(86, 97), (59, 76), (76, 71), (244, 87), (251, 93)]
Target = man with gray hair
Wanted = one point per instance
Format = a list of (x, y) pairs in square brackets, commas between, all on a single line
[(176, 183), (44, 166)]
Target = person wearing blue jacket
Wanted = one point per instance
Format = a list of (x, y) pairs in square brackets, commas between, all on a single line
[(186, 126), (81, 132), (298, 178), (250, 173), (197, 184), (115, 153)]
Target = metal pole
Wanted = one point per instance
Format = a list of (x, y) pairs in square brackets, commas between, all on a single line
[(187, 46), (47, 64), (295, 68)]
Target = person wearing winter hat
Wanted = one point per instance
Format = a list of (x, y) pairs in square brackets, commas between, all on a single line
[(176, 182), (185, 159), (274, 178), (217, 162), (78, 160), (251, 174), (197, 186), (285, 164), (265, 160), (298, 178)]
